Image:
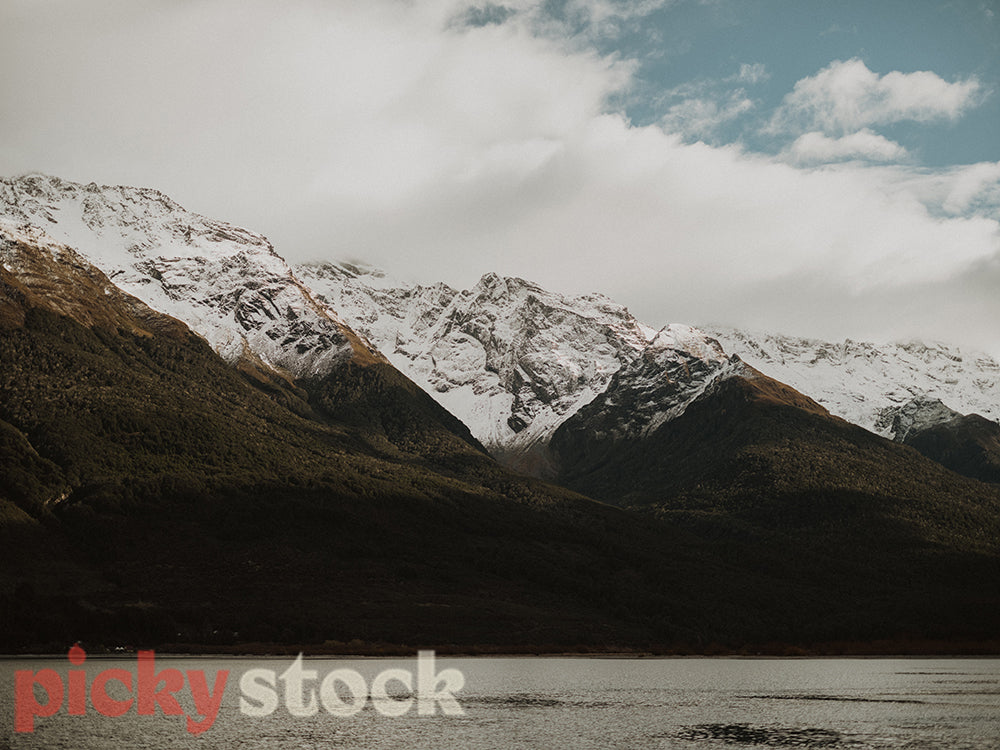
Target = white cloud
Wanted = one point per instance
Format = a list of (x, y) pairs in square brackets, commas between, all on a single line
[(691, 217), (699, 109), (753, 73), (700, 118), (815, 147), (578, 20), (846, 96), (977, 185), (967, 190), (605, 14)]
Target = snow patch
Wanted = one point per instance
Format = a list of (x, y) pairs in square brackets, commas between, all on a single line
[(863, 382)]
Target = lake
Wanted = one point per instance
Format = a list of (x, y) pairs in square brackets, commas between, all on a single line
[(697, 703)]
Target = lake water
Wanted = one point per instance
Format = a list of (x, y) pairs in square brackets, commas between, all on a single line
[(916, 704)]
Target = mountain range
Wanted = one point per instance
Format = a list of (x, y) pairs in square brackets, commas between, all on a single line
[(456, 457), (514, 362)]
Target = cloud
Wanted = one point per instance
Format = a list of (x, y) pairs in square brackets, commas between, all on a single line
[(698, 110), (696, 217), (605, 15), (814, 147), (442, 150), (700, 118), (485, 14), (752, 73), (847, 96), (583, 21), (974, 187), (967, 190)]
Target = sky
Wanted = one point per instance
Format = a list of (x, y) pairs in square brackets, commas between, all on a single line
[(821, 169)]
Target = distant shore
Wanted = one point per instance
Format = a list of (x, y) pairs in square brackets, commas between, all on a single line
[(355, 649)]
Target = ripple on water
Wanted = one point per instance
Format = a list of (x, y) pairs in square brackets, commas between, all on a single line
[(747, 734)]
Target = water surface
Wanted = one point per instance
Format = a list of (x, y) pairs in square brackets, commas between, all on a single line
[(696, 703)]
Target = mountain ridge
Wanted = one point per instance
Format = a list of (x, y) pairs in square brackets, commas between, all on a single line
[(227, 283), (510, 359), (865, 382), (232, 493), (887, 377)]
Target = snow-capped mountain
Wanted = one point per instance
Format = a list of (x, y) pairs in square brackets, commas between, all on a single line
[(513, 361), (507, 357), (678, 366), (226, 283), (873, 385), (510, 359)]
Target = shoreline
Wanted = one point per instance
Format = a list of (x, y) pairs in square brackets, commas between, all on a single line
[(985, 650)]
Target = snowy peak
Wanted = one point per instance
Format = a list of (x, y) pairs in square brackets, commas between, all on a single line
[(867, 383), (523, 297), (509, 358), (678, 366), (227, 283), (382, 309), (677, 337), (913, 416), (495, 287)]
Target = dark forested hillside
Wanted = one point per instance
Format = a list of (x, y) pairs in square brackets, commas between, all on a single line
[(968, 444), (151, 494), (779, 485)]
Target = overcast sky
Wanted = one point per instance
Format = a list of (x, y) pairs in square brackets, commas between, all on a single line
[(819, 168)]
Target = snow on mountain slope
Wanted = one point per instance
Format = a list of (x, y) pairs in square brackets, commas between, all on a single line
[(514, 361), (915, 416), (868, 384), (226, 283), (510, 359), (37, 271), (676, 368), (679, 365)]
